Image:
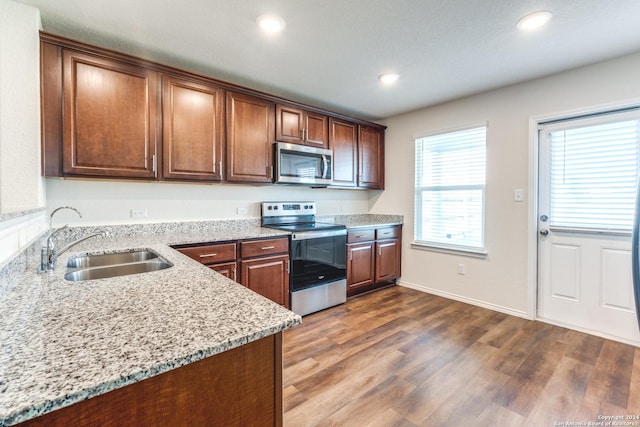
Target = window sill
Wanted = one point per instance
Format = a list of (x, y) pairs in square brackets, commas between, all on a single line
[(453, 250)]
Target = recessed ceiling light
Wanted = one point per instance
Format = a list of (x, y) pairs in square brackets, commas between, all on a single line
[(388, 78), (271, 23), (534, 20)]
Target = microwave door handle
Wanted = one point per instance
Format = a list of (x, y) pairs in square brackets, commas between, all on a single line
[(325, 166)]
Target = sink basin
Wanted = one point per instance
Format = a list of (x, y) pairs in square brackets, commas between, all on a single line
[(104, 272), (102, 266), (88, 261)]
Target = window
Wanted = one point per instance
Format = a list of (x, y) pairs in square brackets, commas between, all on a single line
[(450, 190), (593, 171)]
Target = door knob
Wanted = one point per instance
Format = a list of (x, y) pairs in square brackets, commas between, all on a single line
[(544, 232)]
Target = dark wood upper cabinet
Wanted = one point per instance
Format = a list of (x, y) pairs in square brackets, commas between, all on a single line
[(343, 137), (250, 138), (110, 115), (370, 158), (109, 123), (299, 126), (193, 130)]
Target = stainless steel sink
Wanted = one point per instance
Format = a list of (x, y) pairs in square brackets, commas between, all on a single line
[(102, 266), (88, 261)]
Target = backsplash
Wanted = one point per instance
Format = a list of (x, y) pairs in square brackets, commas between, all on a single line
[(21, 235)]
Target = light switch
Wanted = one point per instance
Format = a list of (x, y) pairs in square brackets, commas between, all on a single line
[(518, 195)]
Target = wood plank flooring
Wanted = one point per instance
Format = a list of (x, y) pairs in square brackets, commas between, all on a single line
[(399, 357)]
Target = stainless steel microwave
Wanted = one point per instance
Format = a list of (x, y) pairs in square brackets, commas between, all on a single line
[(300, 164)]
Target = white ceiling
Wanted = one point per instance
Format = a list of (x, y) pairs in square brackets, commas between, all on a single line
[(332, 50)]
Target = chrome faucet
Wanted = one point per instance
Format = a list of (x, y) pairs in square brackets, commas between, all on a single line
[(49, 255)]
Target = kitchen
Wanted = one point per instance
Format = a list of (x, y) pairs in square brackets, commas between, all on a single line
[(501, 282)]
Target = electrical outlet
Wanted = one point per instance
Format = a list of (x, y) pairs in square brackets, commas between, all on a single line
[(462, 269), (138, 213), (241, 211)]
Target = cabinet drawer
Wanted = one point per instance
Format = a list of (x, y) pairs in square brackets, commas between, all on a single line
[(211, 254), (354, 236), (387, 232), (257, 248)]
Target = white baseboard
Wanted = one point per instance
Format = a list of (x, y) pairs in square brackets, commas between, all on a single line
[(483, 304)]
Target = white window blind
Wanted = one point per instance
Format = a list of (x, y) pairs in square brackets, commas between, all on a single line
[(593, 175), (450, 189)]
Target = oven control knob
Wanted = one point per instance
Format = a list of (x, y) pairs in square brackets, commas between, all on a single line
[(270, 207), (275, 208)]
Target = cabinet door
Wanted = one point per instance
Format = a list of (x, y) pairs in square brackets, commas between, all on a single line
[(371, 158), (51, 108), (193, 130), (343, 138), (316, 130), (301, 127), (289, 124), (227, 269), (387, 260), (269, 277), (109, 124), (360, 268), (250, 137)]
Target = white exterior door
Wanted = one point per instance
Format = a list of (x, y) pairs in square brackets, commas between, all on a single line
[(588, 171)]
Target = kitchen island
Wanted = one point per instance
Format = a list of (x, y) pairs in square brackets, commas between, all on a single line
[(141, 344)]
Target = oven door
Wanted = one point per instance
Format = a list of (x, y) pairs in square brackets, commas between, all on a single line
[(297, 164), (317, 257)]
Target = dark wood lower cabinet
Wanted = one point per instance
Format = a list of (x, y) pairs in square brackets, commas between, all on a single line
[(261, 265), (360, 268), (239, 387), (227, 269), (269, 277), (265, 268), (373, 258)]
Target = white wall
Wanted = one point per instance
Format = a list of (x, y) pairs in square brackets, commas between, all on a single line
[(20, 182), (500, 280), (111, 202), (21, 187)]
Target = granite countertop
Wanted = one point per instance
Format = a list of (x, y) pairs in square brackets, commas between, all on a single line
[(63, 342), (369, 220)]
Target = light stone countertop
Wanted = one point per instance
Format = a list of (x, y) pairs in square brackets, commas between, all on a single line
[(369, 220), (63, 342)]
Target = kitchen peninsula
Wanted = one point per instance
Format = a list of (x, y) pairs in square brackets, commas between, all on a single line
[(144, 346)]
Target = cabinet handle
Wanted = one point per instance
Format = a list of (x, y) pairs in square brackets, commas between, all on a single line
[(359, 236), (235, 274), (207, 255), (266, 248), (380, 250)]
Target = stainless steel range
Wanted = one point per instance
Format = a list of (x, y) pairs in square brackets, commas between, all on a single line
[(318, 277)]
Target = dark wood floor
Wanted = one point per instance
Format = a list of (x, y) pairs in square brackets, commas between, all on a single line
[(399, 357)]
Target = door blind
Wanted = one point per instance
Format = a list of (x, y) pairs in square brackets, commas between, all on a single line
[(594, 173)]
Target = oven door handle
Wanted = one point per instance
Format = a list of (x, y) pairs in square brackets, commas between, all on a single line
[(325, 166), (304, 235)]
